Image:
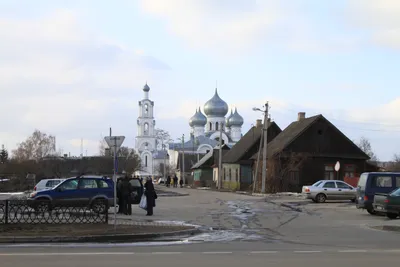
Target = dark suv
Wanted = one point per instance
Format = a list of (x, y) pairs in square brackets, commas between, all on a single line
[(95, 192)]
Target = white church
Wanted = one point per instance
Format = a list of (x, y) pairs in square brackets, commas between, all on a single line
[(204, 135), (146, 141)]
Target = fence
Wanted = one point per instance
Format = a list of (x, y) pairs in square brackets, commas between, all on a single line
[(46, 212)]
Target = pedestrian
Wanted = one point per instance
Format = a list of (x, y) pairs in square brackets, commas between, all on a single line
[(126, 191), (119, 196), (181, 182), (168, 182), (151, 196), (175, 181)]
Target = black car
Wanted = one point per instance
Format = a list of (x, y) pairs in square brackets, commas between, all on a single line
[(138, 189)]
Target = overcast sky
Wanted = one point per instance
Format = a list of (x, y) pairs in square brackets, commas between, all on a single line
[(73, 70)]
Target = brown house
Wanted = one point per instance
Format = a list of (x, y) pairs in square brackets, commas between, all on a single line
[(307, 151), (237, 163)]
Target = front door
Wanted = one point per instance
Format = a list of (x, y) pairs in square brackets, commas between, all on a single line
[(330, 190), (66, 193)]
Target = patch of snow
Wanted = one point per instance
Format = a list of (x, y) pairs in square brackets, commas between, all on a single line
[(225, 236), (180, 223)]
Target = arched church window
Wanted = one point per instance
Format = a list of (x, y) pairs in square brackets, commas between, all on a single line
[(145, 161), (146, 109), (146, 128), (146, 145), (216, 126), (210, 126)]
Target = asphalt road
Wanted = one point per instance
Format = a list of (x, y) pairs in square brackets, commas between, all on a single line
[(149, 257)]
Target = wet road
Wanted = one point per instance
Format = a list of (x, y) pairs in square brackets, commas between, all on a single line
[(149, 256)]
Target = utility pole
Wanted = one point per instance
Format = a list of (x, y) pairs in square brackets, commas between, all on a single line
[(255, 180), (264, 165), (183, 159), (220, 159)]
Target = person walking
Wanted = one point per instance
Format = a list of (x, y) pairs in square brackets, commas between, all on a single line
[(151, 196), (175, 181), (126, 191), (168, 182), (181, 182)]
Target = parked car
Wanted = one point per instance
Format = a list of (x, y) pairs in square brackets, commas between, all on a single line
[(388, 203), (329, 190), (161, 181), (81, 191), (371, 183), (45, 184)]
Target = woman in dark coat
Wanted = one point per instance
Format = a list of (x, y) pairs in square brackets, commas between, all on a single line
[(151, 196)]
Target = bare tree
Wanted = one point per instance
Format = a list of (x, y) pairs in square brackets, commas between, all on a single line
[(365, 145), (102, 147), (35, 147), (163, 138), (160, 169), (394, 166), (282, 172)]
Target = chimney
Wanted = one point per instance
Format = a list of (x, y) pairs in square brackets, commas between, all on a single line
[(258, 123), (301, 116)]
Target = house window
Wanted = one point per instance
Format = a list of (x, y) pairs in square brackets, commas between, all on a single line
[(145, 161), (224, 174), (210, 126), (294, 178), (230, 174), (350, 170), (237, 175), (216, 126), (329, 172)]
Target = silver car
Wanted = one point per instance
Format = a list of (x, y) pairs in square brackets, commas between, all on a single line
[(329, 190)]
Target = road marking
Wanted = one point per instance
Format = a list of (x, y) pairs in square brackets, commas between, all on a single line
[(166, 253), (353, 251), (218, 252), (263, 252), (307, 251)]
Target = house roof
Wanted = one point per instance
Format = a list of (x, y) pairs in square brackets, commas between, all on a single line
[(160, 154), (203, 160), (292, 132), (190, 160), (251, 138)]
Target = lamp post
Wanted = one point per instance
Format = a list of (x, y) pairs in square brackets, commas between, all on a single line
[(264, 162), (183, 158)]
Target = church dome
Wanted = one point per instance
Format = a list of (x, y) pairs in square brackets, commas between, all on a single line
[(216, 107), (236, 119), (198, 119), (146, 88), (227, 124)]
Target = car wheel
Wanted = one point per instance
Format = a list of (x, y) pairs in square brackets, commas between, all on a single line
[(392, 215), (99, 206), (371, 211), (320, 198)]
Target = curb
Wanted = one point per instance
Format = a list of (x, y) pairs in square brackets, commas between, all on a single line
[(390, 228), (97, 238)]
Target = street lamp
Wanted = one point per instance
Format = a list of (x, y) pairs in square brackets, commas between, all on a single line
[(264, 165)]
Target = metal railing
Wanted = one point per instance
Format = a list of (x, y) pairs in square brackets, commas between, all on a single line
[(47, 212)]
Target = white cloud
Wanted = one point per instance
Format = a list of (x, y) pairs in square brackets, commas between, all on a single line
[(381, 18), (61, 77), (232, 27)]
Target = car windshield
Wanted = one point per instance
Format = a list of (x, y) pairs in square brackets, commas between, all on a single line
[(396, 192), (317, 183), (135, 183)]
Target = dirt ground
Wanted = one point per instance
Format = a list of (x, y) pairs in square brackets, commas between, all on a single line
[(82, 230)]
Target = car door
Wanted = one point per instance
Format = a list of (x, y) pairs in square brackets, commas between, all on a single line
[(345, 192), (330, 190), (88, 189), (66, 192)]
